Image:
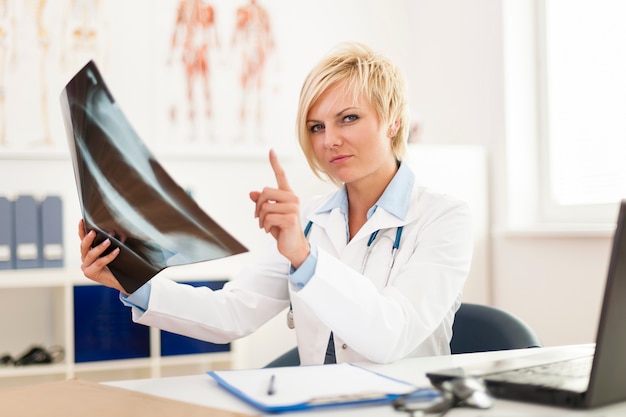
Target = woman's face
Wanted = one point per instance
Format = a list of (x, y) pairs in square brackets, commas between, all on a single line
[(348, 139)]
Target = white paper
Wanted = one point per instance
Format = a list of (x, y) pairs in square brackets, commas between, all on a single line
[(313, 385)]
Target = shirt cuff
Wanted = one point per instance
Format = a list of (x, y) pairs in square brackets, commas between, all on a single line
[(139, 299), (301, 276)]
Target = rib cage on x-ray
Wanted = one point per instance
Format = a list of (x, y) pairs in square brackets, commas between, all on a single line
[(126, 195)]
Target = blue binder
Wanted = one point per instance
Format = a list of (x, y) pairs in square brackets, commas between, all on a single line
[(7, 234), (26, 232), (51, 241)]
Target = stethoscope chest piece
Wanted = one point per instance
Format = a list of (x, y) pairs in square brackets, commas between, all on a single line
[(290, 322)]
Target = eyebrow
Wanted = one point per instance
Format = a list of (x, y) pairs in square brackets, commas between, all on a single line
[(339, 113)]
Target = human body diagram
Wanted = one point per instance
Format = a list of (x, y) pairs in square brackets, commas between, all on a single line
[(253, 43), (42, 42), (196, 37)]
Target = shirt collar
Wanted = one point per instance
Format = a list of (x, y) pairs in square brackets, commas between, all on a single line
[(395, 199)]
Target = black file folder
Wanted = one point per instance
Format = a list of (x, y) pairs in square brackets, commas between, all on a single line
[(51, 225), (7, 234), (26, 232), (126, 195)]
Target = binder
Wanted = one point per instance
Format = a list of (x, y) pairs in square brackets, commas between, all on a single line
[(7, 234), (295, 388), (51, 240), (26, 232)]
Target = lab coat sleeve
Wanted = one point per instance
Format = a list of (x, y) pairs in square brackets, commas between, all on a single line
[(386, 324), (245, 303)]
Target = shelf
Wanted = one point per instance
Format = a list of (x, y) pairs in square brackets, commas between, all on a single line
[(24, 278), (33, 370), (219, 269), (195, 358), (100, 366), (54, 293), (35, 154)]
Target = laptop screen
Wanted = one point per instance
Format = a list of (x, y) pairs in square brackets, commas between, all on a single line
[(126, 195), (608, 375)]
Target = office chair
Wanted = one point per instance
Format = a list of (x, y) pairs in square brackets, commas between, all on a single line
[(289, 358), (482, 328), (476, 328)]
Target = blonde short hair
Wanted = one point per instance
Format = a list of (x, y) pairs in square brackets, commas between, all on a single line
[(366, 73)]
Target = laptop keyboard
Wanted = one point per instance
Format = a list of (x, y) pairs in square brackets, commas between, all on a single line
[(552, 375)]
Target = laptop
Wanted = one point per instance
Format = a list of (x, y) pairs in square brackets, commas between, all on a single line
[(575, 376), (126, 195)]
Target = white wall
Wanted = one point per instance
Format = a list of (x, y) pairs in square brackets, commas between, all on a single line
[(553, 280), (452, 53)]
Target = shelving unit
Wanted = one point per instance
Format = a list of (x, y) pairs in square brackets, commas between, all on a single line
[(52, 323), (37, 305)]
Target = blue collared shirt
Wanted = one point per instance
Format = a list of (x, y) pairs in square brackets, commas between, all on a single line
[(395, 199)]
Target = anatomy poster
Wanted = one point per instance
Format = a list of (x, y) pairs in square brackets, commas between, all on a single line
[(197, 77), (41, 44), (192, 74), (221, 75)]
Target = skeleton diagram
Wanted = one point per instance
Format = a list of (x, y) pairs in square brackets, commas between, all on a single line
[(195, 34), (83, 23), (254, 43), (43, 37), (24, 36), (7, 52)]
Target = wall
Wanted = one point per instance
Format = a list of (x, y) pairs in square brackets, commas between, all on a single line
[(552, 279), (452, 53)]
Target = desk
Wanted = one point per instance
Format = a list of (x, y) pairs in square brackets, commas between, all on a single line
[(203, 390)]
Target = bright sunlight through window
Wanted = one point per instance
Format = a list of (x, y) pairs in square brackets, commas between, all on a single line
[(584, 117)]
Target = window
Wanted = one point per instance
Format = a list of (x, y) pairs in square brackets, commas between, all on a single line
[(582, 109), (565, 103)]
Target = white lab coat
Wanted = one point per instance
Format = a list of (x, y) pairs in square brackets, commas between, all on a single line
[(411, 316)]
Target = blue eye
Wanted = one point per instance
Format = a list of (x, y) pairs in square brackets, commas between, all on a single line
[(316, 128), (350, 118)]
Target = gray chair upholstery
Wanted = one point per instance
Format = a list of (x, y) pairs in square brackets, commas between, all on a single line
[(476, 328), (289, 358), (482, 328)]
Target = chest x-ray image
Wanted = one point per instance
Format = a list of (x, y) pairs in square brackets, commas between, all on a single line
[(126, 195)]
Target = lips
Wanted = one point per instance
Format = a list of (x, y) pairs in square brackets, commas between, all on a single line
[(339, 159)]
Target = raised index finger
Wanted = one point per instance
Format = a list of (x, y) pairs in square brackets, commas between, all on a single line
[(279, 172)]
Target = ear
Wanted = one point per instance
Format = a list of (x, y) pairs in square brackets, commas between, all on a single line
[(393, 128)]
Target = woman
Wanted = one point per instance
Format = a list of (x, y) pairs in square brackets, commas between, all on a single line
[(372, 272)]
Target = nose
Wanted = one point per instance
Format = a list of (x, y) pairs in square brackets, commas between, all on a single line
[(332, 137)]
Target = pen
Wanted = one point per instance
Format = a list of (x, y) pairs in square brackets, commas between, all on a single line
[(270, 387)]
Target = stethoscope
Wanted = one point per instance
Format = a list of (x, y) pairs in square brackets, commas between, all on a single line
[(371, 243)]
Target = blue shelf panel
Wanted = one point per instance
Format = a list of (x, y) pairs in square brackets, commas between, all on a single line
[(103, 328), (175, 344)]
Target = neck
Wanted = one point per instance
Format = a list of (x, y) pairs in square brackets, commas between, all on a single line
[(363, 194)]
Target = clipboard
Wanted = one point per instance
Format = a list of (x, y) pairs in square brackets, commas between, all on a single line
[(295, 388), (126, 195)]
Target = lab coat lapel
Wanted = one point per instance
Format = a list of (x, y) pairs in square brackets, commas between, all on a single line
[(380, 220), (334, 226)]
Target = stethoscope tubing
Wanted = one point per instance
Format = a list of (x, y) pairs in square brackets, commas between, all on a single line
[(371, 243)]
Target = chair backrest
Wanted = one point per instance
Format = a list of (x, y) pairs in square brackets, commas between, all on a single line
[(482, 328), (476, 328), (289, 358)]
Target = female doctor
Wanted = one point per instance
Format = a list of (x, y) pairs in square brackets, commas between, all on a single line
[(372, 272)]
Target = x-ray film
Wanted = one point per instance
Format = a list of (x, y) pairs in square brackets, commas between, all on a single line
[(126, 195)]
